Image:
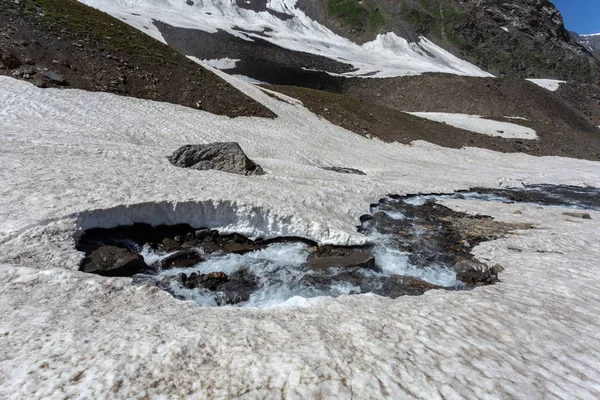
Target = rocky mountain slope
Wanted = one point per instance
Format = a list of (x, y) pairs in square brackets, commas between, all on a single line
[(378, 108), (379, 38), (590, 42), (524, 38), (63, 43)]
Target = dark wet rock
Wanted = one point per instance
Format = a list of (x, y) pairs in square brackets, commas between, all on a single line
[(222, 156), (400, 285), (113, 261), (210, 281), (237, 238), (190, 243), (361, 260), (241, 248), (367, 282), (55, 78), (339, 251), (240, 285), (209, 248), (235, 288), (578, 215), (553, 195), (365, 217), (181, 259), (476, 273), (343, 170), (169, 244), (202, 234)]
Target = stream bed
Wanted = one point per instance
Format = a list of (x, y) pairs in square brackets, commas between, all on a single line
[(416, 245)]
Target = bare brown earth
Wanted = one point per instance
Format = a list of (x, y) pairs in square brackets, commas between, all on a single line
[(585, 97), (94, 51), (491, 97), (374, 107)]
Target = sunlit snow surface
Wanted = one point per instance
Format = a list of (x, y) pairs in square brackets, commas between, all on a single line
[(549, 84), (388, 55), (223, 63), (71, 159), (475, 123)]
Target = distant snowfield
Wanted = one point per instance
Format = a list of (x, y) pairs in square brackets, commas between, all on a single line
[(222, 63), (477, 124), (388, 55), (71, 160), (549, 84)]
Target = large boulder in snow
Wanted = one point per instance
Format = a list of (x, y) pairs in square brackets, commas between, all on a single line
[(225, 156), (113, 261)]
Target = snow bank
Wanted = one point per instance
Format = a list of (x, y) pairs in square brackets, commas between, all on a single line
[(228, 216), (223, 63), (68, 334), (72, 159), (388, 55), (475, 123), (549, 84), (89, 151)]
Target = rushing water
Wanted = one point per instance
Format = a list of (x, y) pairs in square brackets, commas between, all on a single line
[(408, 236)]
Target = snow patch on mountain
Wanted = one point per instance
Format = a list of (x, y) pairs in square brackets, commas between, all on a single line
[(476, 123), (549, 84), (388, 55), (222, 63)]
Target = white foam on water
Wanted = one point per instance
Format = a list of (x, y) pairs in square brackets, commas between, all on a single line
[(397, 215), (396, 262)]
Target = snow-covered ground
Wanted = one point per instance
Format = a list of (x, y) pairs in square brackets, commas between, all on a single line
[(548, 84), (476, 123), (222, 63), (388, 55), (70, 160)]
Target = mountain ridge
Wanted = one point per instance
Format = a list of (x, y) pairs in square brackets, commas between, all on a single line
[(590, 42), (524, 39)]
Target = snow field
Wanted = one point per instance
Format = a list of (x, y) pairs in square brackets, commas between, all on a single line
[(71, 159), (70, 334), (386, 56), (548, 84), (475, 123)]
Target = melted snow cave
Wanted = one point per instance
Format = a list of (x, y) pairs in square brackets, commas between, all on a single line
[(416, 245)]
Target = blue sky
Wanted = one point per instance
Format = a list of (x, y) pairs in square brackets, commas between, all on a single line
[(581, 16)]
